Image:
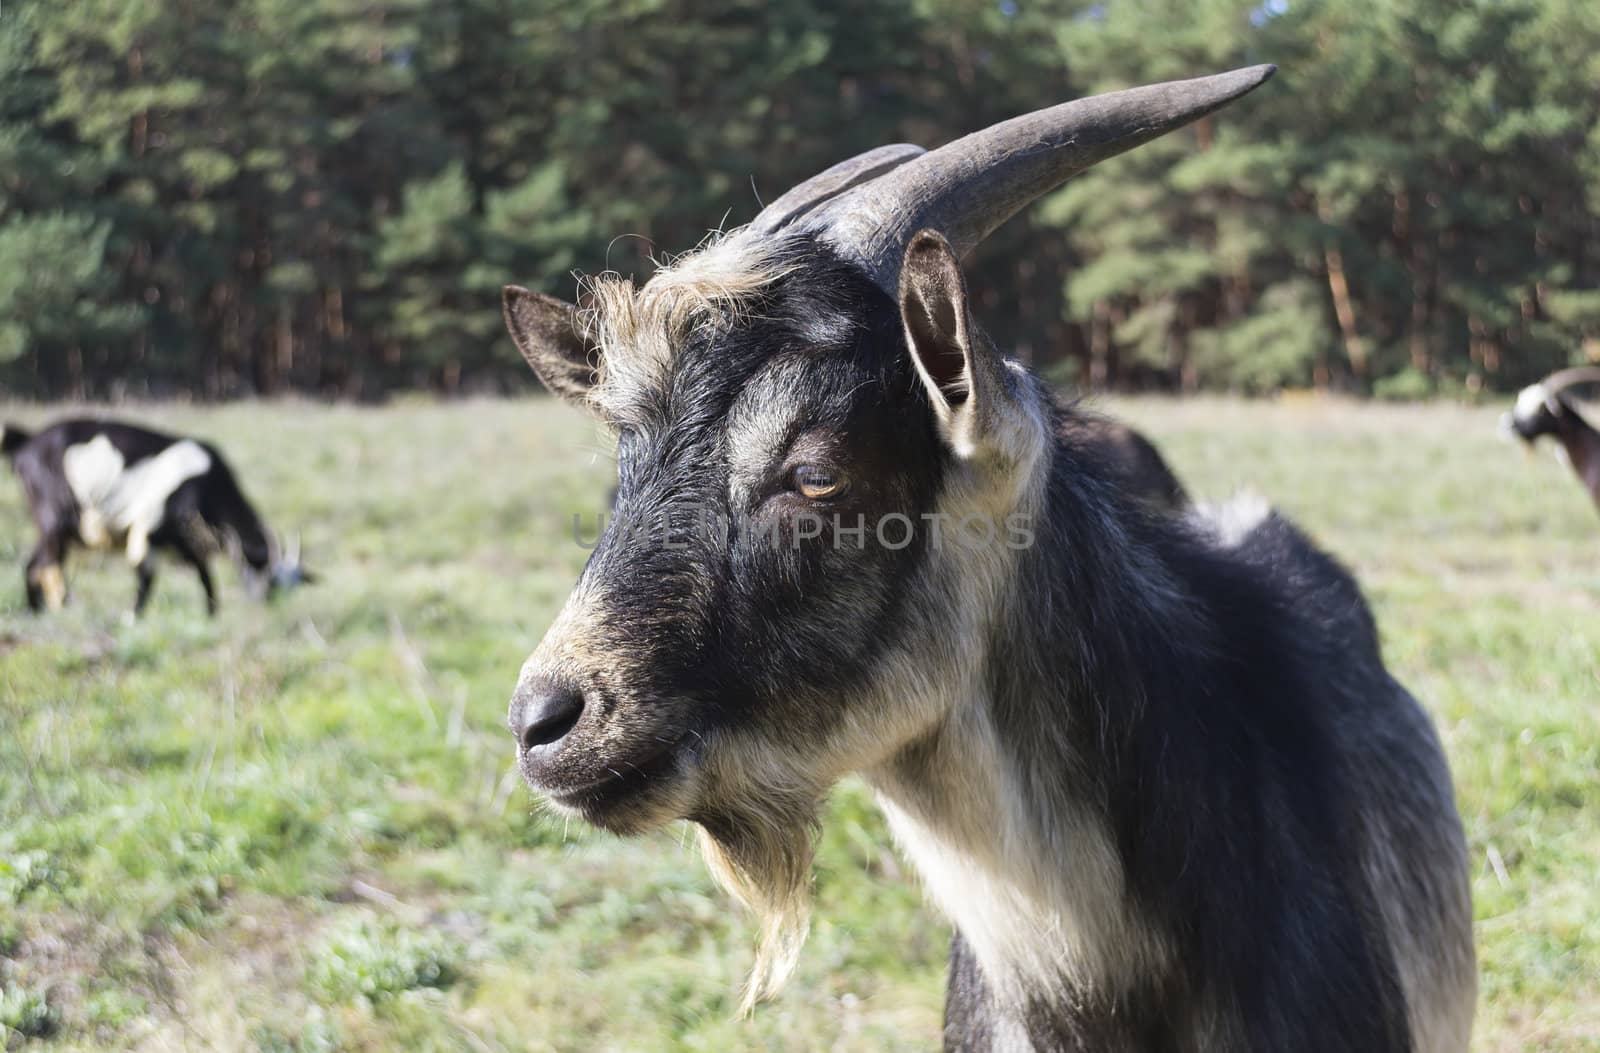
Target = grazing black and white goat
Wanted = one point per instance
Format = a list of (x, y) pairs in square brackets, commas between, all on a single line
[(104, 484), (1152, 766), (1548, 408)]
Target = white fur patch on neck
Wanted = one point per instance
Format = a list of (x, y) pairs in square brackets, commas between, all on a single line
[(1231, 522), (1037, 906), (116, 502)]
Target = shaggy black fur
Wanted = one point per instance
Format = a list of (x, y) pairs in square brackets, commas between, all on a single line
[(1220, 706)]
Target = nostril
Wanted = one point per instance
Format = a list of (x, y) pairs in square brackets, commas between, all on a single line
[(545, 714)]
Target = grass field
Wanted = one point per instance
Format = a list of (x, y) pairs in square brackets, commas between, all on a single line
[(296, 827)]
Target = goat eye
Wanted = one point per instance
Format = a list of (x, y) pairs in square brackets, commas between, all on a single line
[(816, 483)]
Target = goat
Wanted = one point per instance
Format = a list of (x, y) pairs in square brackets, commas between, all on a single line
[(1546, 408), (1151, 766), (105, 484)]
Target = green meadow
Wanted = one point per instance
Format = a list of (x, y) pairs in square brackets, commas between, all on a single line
[(297, 826)]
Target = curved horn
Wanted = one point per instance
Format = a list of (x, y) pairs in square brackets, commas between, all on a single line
[(1566, 378), (967, 188), (832, 182)]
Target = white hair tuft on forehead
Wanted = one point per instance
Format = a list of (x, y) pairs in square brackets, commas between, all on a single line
[(639, 328)]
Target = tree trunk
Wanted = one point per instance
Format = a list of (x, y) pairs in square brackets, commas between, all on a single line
[(283, 365), (75, 382), (1099, 346), (1424, 285), (1355, 349), (1182, 356)]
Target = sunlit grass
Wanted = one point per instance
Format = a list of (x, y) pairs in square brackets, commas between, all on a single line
[(295, 827)]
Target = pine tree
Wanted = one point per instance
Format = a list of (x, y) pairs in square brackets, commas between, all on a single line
[(237, 196), (57, 307)]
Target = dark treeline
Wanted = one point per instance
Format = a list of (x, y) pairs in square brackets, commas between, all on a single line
[(226, 197)]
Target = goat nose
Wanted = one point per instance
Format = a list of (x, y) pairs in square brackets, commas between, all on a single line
[(543, 711)]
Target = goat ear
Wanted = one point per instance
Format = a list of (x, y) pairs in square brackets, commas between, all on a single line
[(966, 378), (933, 308), (548, 334)]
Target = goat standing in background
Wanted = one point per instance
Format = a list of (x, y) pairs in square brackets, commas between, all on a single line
[(1152, 766), (104, 484), (1547, 408)]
